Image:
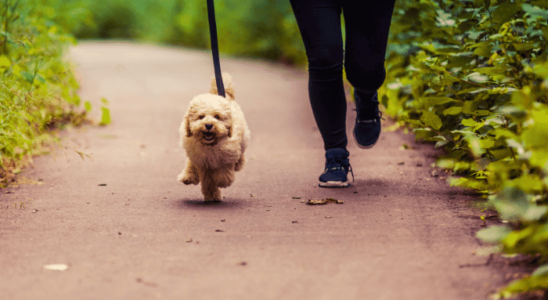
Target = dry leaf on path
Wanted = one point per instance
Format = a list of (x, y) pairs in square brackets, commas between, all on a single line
[(323, 201)]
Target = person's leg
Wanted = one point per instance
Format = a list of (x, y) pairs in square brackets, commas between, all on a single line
[(367, 27), (319, 22), (320, 25)]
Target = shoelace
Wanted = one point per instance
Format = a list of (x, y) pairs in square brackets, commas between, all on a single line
[(332, 164), (360, 120)]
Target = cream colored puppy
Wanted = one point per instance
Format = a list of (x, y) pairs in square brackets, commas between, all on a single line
[(214, 134)]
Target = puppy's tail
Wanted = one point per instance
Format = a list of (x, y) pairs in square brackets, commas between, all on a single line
[(229, 88)]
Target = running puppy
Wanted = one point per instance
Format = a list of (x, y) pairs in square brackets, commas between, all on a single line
[(214, 134)]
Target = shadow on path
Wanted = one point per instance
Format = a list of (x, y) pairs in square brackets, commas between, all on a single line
[(200, 204)]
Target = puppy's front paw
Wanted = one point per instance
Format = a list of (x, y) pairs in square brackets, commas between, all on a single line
[(212, 195), (239, 164), (188, 179)]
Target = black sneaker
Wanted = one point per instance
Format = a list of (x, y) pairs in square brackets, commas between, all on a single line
[(337, 166), (368, 123)]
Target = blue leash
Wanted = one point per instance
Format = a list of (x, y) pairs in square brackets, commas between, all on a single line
[(215, 47)]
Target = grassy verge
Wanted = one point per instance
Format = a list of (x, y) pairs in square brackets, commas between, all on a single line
[(38, 87), (471, 76)]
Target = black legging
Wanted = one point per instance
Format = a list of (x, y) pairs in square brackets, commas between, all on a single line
[(367, 24)]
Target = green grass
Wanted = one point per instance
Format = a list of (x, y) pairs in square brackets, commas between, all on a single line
[(38, 88)]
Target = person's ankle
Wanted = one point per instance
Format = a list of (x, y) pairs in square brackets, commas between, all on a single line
[(367, 105)]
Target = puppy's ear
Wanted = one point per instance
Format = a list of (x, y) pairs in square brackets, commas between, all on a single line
[(186, 123)]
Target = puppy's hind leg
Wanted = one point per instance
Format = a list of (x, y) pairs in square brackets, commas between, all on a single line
[(190, 174), (210, 189)]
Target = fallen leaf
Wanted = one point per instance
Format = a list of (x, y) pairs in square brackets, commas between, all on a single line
[(434, 173), (56, 267), (328, 217), (219, 230), (294, 222), (401, 163), (323, 201), (222, 220), (189, 240), (102, 184), (296, 197), (243, 263), (35, 211)]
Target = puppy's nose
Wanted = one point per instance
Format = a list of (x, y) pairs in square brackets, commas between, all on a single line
[(208, 126)]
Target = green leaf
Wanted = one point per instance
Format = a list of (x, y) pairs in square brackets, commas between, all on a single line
[(543, 270), (504, 12), (477, 78), (469, 122), (487, 143), (469, 107), (438, 100), (493, 234), (483, 49), (4, 63), (87, 106), (432, 120), (511, 204), (455, 110), (535, 11), (105, 117)]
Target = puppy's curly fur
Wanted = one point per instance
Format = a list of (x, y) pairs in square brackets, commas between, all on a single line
[(214, 134)]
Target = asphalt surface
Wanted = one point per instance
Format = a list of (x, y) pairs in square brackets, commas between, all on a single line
[(126, 229)]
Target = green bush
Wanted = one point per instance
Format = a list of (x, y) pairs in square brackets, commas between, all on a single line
[(261, 28), (144, 20), (38, 88), (472, 77)]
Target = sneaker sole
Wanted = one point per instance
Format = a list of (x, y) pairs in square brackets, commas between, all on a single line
[(362, 146), (333, 184)]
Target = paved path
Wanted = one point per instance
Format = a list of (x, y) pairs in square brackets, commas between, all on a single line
[(400, 234)]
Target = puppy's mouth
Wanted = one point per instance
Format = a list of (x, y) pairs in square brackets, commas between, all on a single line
[(208, 136)]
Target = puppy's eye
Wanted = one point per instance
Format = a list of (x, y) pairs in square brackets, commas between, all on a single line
[(217, 117), (201, 117)]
